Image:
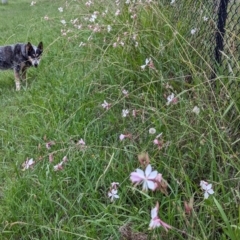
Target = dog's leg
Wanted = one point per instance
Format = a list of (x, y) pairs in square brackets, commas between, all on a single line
[(17, 78), (24, 73)]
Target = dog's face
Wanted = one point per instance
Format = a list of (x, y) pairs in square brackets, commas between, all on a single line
[(34, 53)]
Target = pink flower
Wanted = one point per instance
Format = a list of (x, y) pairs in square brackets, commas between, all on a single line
[(147, 178), (58, 167), (188, 206), (172, 99), (106, 105), (65, 159), (117, 12), (114, 185), (135, 112), (122, 136), (159, 143), (134, 16), (50, 144), (51, 157), (156, 221), (151, 65), (81, 142), (161, 184), (158, 179)]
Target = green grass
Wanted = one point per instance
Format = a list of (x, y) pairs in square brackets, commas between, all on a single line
[(61, 102)]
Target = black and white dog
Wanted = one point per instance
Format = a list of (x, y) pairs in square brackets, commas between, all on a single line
[(19, 57)]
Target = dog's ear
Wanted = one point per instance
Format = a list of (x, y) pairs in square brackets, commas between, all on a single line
[(28, 47), (40, 46)]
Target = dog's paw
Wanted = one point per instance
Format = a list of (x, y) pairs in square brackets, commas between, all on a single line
[(18, 87)]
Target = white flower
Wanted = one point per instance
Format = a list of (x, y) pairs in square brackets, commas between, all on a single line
[(82, 44), (193, 31), (74, 21), (112, 194), (125, 112), (156, 221), (59, 166), (106, 105), (125, 92), (109, 28), (117, 12), (89, 3), (147, 61), (63, 22), (152, 130), (205, 19), (207, 188), (65, 159), (172, 2), (127, 1), (32, 3), (170, 98), (147, 178), (93, 18), (60, 9), (203, 183), (27, 164), (196, 110), (121, 137)]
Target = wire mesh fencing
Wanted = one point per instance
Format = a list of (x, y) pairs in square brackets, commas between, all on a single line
[(214, 33)]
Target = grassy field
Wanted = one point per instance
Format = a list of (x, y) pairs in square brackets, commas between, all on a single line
[(133, 57)]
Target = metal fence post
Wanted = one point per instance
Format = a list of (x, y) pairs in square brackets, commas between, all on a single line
[(222, 17)]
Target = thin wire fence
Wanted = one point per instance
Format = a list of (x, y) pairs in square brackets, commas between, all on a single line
[(214, 33)]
